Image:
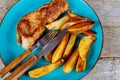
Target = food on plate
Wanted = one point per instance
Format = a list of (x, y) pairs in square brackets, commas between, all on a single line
[(49, 56), (56, 25), (69, 47), (60, 49), (84, 45), (32, 25), (81, 65), (83, 48), (89, 32), (71, 62), (81, 27), (66, 21), (39, 72)]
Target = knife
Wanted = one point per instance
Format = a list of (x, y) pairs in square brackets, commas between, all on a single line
[(31, 61), (25, 54)]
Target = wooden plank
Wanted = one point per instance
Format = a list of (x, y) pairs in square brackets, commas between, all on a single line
[(105, 69), (117, 68), (4, 6), (111, 47), (107, 10)]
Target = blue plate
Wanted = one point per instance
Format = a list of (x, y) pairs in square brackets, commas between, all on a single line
[(9, 48)]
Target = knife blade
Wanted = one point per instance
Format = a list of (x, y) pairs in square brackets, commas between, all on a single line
[(30, 62)]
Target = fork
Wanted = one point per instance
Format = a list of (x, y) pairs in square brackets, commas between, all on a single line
[(40, 43)]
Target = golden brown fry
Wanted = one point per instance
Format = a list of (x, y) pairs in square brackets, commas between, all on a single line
[(89, 32), (56, 25), (71, 62), (74, 20), (45, 69), (49, 56), (81, 65), (69, 46), (60, 49), (81, 27), (85, 45)]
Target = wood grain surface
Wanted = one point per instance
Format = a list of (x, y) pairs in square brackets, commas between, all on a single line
[(108, 66)]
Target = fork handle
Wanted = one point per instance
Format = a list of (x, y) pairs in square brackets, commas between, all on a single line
[(23, 68), (15, 62)]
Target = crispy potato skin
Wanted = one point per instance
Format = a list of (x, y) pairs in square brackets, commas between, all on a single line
[(71, 62), (39, 72), (89, 32), (69, 47), (81, 65), (60, 49), (81, 27), (49, 57), (84, 47)]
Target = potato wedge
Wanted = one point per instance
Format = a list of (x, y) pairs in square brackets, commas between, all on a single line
[(56, 25), (81, 27), (84, 46), (69, 47), (74, 20), (89, 32), (45, 69), (81, 65), (71, 62), (60, 49), (49, 57)]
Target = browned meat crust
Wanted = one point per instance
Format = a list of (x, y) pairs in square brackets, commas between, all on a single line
[(32, 25)]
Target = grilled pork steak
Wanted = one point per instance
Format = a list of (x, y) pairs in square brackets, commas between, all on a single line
[(32, 25)]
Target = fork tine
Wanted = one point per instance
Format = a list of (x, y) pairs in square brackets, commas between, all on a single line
[(47, 38), (42, 42)]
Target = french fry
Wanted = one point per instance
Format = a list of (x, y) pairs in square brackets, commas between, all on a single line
[(89, 32), (60, 49), (45, 69), (81, 27), (49, 56), (84, 47), (69, 47), (58, 23), (81, 65), (74, 20), (71, 62)]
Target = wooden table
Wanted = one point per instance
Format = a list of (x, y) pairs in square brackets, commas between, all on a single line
[(108, 66)]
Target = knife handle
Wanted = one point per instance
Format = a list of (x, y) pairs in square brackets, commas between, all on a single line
[(23, 68), (15, 62)]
